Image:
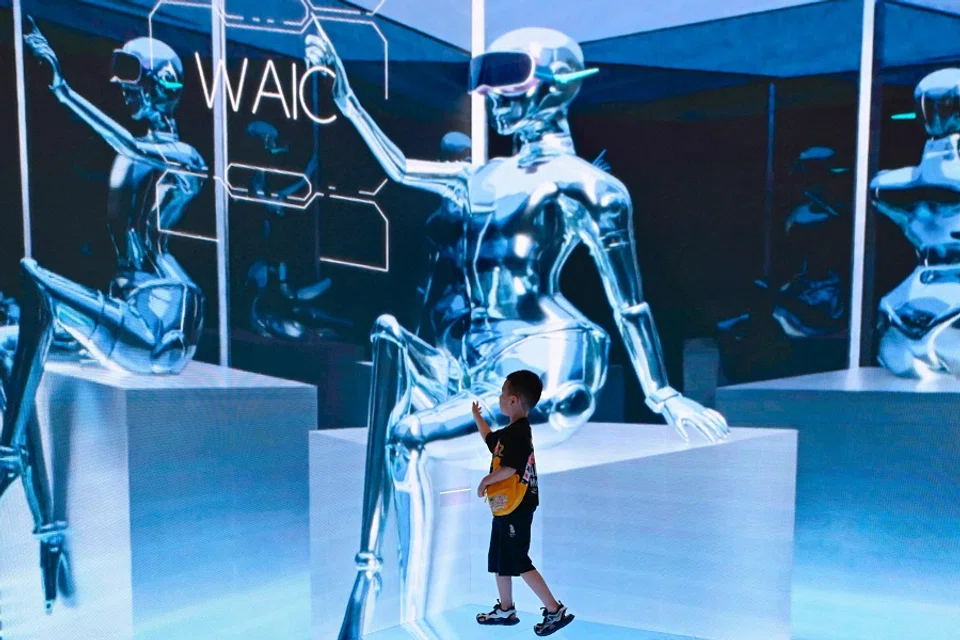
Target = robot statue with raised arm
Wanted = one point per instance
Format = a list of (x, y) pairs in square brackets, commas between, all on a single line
[(517, 220), (151, 320), (919, 321)]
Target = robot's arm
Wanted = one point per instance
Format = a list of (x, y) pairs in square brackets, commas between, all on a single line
[(899, 216), (603, 215), (114, 133), (437, 177)]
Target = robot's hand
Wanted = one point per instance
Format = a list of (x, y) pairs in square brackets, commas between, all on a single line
[(41, 48), (682, 413), (321, 53)]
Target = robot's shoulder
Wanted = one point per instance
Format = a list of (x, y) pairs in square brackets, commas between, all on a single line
[(902, 178), (197, 163), (186, 155)]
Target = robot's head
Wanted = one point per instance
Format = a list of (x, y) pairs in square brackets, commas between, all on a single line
[(456, 145), (267, 135), (817, 165), (528, 76), (820, 172), (151, 76), (938, 99)]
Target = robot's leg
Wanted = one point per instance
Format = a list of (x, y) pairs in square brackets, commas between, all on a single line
[(407, 374), (10, 466), (413, 495), (21, 449), (945, 342), (413, 502)]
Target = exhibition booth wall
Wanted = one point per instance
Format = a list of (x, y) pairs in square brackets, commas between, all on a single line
[(256, 267)]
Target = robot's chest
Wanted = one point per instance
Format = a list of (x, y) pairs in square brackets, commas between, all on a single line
[(507, 198)]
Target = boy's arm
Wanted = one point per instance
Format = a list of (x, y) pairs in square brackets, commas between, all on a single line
[(498, 476), (482, 425)]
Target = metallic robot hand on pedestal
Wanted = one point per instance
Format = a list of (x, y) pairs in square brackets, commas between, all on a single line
[(919, 321), (151, 321), (514, 222)]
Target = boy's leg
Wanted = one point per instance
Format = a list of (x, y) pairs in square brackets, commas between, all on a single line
[(504, 612), (539, 586), (505, 587)]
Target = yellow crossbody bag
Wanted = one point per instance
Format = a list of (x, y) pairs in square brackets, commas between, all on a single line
[(505, 496)]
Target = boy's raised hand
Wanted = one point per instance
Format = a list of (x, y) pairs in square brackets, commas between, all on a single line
[(477, 413)]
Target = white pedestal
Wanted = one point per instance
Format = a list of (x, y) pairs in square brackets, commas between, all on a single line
[(635, 529), (878, 499), (187, 502)]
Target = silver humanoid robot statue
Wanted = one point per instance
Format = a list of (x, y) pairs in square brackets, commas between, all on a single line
[(516, 221), (152, 319), (919, 321)]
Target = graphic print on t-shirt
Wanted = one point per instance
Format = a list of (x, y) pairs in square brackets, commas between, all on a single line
[(513, 447)]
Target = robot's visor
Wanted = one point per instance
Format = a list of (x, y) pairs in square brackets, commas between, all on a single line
[(126, 68), (945, 107), (504, 71)]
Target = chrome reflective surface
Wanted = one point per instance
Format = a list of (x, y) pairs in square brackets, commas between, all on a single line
[(507, 228), (150, 321), (919, 336)]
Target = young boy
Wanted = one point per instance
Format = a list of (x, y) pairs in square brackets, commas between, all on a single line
[(511, 492)]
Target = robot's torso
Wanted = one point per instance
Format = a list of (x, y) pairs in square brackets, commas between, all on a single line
[(924, 201), (508, 239)]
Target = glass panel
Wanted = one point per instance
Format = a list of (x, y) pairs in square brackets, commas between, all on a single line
[(94, 214), (743, 224), (321, 241), (11, 215), (914, 150)]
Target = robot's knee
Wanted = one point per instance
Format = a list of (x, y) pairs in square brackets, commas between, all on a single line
[(172, 354), (895, 354), (572, 405), (386, 327), (407, 434), (32, 272)]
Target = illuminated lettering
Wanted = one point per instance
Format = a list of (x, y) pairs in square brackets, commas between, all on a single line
[(271, 71), (234, 91)]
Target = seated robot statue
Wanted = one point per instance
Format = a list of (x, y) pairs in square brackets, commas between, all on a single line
[(151, 321), (278, 309), (810, 303), (919, 321), (518, 219)]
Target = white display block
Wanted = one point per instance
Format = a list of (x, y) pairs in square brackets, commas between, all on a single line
[(878, 505), (187, 502), (635, 528)]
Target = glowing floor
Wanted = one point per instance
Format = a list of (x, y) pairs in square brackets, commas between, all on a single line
[(461, 624)]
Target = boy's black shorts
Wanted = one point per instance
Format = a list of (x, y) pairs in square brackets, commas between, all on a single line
[(510, 543)]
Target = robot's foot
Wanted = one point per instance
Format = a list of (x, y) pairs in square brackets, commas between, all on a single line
[(314, 290), (54, 564), (362, 600)]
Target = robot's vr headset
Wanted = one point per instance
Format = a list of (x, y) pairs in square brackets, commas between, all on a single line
[(128, 69), (513, 72), (125, 68)]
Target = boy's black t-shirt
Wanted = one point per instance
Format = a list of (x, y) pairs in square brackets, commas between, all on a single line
[(516, 451)]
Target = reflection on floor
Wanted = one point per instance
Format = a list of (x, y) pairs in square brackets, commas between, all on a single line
[(462, 624)]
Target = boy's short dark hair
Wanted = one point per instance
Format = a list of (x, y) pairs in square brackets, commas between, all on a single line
[(527, 386)]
